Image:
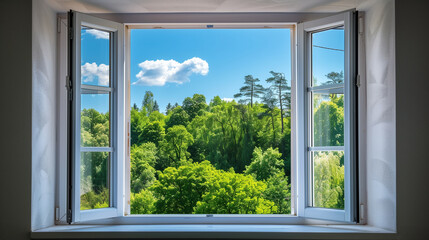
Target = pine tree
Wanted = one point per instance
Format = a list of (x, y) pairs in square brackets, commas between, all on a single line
[(250, 90), (282, 90)]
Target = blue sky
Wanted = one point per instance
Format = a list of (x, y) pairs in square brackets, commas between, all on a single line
[(175, 64)]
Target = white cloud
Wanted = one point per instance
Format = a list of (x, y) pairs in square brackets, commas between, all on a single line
[(98, 34), (159, 72), (228, 99), (91, 71)]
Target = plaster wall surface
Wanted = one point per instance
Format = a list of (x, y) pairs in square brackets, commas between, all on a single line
[(380, 122), (44, 100)]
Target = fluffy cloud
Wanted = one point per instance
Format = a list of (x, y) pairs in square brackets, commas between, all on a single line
[(91, 71), (228, 99), (98, 34), (159, 72)]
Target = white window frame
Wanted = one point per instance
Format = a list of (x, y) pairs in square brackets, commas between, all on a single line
[(118, 214), (349, 214), (117, 119)]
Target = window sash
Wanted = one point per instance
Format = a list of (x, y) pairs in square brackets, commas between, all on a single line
[(116, 120), (304, 115)]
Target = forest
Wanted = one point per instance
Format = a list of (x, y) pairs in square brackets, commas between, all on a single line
[(216, 156)]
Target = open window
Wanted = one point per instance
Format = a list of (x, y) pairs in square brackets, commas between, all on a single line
[(323, 168), (326, 129), (96, 138)]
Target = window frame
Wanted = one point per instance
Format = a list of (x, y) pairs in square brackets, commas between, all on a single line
[(304, 90), (296, 216), (116, 122)]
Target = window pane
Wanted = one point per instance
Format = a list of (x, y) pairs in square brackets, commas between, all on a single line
[(328, 179), (94, 180), (95, 57), (210, 121), (328, 119), (95, 120), (328, 57)]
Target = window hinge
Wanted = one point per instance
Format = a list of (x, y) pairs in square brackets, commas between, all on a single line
[(69, 216), (361, 212), (358, 80)]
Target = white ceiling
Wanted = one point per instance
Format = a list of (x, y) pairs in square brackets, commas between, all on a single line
[(170, 6)]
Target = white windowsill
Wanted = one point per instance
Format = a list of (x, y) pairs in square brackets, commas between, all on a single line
[(214, 231)]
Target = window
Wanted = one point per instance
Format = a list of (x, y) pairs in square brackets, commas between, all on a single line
[(326, 118), (323, 172), (97, 118)]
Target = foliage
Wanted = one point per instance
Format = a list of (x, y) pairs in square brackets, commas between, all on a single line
[(265, 163), (278, 191), (178, 116), (232, 193), (221, 157), (250, 90), (329, 122), (328, 180), (179, 189), (175, 146), (143, 160), (193, 106), (152, 132), (93, 200), (142, 202), (282, 90)]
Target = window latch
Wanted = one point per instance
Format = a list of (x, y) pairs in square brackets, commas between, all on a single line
[(358, 80)]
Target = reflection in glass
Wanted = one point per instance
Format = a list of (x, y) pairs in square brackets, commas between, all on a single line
[(328, 57), (328, 119), (328, 179), (95, 57), (95, 120), (94, 180)]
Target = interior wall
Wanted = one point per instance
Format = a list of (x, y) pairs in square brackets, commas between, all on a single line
[(15, 119), (44, 99), (412, 118), (380, 121)]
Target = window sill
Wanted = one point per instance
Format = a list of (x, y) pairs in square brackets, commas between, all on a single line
[(214, 231)]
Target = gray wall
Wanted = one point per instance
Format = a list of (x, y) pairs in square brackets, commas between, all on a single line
[(412, 71), (412, 118), (15, 119)]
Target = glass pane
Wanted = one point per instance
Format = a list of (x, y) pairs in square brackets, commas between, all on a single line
[(95, 57), (328, 118), (328, 57), (94, 180), (328, 179), (95, 120)]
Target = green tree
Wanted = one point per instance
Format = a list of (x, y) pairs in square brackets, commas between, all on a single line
[(142, 202), (177, 141), (328, 180), (233, 193), (152, 132), (138, 122), (178, 116), (250, 90), (179, 189), (329, 122), (168, 108), (155, 107), (335, 77), (194, 105), (265, 164), (148, 102), (143, 159), (278, 191), (282, 89)]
